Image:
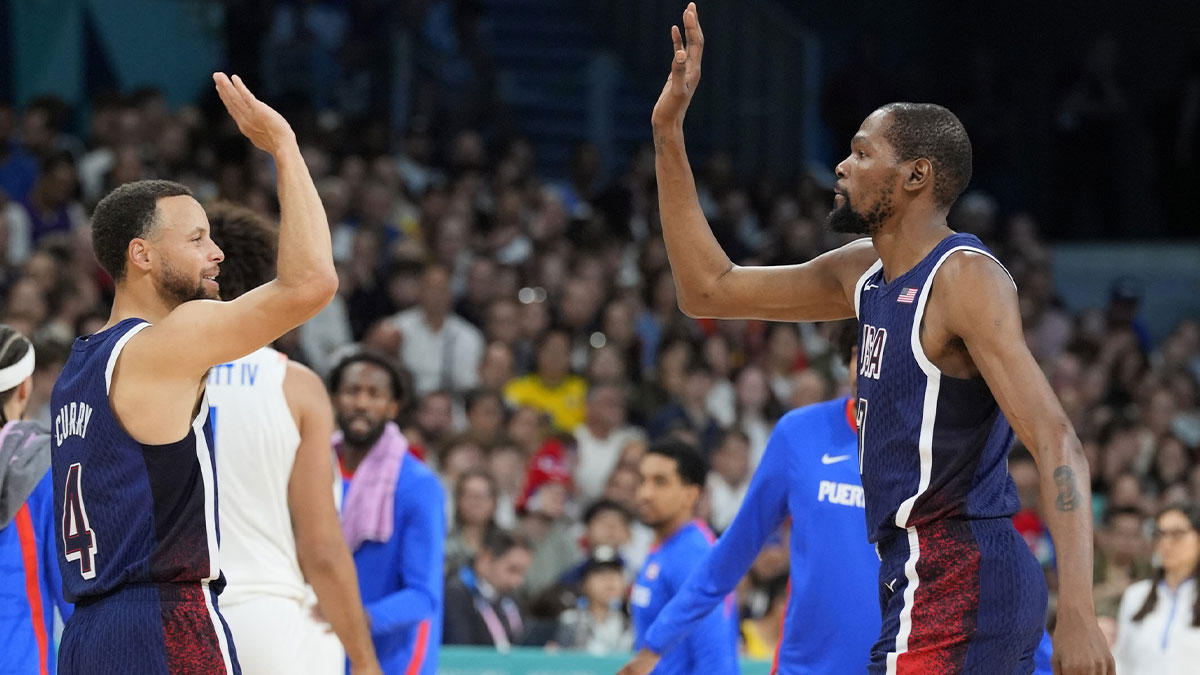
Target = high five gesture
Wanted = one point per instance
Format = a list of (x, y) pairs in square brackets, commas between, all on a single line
[(685, 72)]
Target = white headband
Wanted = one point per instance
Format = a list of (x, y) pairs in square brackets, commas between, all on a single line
[(11, 376)]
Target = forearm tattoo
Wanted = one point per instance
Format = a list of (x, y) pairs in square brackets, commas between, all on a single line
[(1068, 497)]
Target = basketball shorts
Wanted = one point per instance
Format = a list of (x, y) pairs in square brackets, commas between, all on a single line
[(150, 629), (959, 596), (278, 635)]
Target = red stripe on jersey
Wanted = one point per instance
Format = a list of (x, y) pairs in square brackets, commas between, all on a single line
[(418, 657), (33, 586)]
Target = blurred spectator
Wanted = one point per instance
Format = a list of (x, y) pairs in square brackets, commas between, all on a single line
[(601, 438), (474, 516), (1158, 628), (496, 366), (441, 349), (1122, 557), (48, 209), (18, 168), (552, 388), (480, 605), (598, 624), (606, 523), (506, 465), (729, 478), (485, 415), (688, 411), (760, 635)]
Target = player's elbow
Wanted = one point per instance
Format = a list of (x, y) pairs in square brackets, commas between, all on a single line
[(317, 289), (324, 560)]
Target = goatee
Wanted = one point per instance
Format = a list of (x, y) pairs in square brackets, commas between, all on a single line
[(846, 220)]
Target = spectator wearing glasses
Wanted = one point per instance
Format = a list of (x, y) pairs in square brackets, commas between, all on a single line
[(1158, 626)]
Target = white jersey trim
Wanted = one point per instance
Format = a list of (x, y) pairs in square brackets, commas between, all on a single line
[(925, 451), (116, 353), (910, 594), (858, 286), (218, 626)]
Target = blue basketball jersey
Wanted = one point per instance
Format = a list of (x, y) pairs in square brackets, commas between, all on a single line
[(126, 513), (931, 446)]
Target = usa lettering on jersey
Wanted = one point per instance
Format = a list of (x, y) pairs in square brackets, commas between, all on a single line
[(72, 420), (871, 352)]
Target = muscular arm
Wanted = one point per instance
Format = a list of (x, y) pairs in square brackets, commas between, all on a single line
[(323, 555), (174, 353), (981, 308), (707, 283)]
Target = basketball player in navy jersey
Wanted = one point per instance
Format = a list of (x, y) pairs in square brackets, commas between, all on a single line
[(132, 461), (943, 370)]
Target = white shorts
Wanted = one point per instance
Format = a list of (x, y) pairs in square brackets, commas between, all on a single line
[(279, 636)]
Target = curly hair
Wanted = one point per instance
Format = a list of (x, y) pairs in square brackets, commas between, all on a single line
[(125, 214), (250, 243), (928, 130)]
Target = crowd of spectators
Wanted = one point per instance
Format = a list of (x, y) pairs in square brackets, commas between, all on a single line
[(538, 323)]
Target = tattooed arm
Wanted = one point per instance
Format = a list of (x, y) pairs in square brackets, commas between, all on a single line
[(981, 308)]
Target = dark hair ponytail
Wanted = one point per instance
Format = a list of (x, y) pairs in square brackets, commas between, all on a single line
[(13, 347), (1192, 513)]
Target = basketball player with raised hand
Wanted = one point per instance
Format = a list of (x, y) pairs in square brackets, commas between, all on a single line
[(132, 452), (272, 424), (943, 371)]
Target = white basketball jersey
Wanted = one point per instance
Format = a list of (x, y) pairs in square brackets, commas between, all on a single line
[(256, 441)]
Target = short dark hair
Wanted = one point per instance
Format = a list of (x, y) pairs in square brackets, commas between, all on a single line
[(497, 542), (1116, 512), (125, 214), (604, 505), (845, 339), (250, 243), (478, 394), (928, 130), (365, 355), (690, 465)]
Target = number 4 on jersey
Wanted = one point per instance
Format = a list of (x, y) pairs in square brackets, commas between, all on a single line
[(79, 541)]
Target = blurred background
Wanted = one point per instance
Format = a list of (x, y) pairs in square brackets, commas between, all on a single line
[(489, 160)]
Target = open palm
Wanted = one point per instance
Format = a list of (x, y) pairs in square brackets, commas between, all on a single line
[(685, 72)]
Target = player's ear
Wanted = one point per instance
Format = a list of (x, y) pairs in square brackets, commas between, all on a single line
[(920, 174), (139, 254)]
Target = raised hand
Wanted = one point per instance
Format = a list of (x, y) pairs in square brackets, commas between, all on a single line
[(259, 122), (685, 72)]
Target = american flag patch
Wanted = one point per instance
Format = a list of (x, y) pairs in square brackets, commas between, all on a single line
[(907, 296)]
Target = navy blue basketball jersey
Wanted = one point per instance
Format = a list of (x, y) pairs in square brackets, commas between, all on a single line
[(931, 446), (126, 513)]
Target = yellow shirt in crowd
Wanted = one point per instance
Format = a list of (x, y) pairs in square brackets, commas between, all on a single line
[(565, 403)]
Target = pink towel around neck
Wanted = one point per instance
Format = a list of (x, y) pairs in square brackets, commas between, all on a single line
[(368, 513)]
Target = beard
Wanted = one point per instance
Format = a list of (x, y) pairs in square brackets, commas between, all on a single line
[(365, 439), (846, 220), (178, 288)]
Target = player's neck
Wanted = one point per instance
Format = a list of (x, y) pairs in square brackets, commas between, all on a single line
[(905, 242), (352, 456), (133, 300), (668, 529)]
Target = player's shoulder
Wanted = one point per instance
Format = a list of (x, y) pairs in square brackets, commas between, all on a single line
[(420, 480), (802, 420)]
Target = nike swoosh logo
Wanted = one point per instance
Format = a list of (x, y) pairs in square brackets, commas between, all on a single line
[(826, 459), (870, 286)]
